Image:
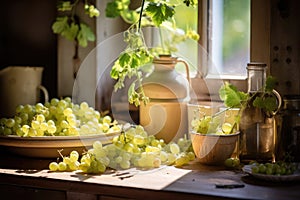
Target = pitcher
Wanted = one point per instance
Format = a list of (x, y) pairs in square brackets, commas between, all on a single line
[(20, 85), (166, 114)]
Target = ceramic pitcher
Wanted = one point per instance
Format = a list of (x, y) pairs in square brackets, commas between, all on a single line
[(20, 85), (166, 114)]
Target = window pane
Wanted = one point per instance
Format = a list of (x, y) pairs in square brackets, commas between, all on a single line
[(230, 36), (187, 18)]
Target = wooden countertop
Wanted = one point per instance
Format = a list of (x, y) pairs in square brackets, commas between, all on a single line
[(191, 181)]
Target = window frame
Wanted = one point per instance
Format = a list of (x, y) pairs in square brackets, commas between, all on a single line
[(259, 41)]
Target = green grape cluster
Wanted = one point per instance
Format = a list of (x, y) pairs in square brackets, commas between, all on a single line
[(68, 163), (135, 148), (212, 125), (57, 118), (278, 168)]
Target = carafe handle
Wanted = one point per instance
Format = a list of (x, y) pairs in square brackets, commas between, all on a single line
[(279, 99), (45, 92), (186, 69)]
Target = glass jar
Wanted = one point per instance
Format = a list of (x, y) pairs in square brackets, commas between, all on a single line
[(258, 139)]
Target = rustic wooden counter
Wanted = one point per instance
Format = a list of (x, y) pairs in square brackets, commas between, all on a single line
[(26, 178)]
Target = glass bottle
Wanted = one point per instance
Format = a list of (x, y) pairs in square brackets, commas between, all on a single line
[(258, 140)]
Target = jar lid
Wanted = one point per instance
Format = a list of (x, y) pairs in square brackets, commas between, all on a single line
[(256, 65)]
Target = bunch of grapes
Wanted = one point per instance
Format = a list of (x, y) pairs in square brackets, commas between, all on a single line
[(69, 163), (135, 148), (278, 168), (211, 125), (57, 118)]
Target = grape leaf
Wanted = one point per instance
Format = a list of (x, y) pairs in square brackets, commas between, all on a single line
[(159, 12), (64, 6), (124, 59), (85, 34), (267, 103), (60, 25), (112, 10), (71, 31), (231, 96), (270, 83)]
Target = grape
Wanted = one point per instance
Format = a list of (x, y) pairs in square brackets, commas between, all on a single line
[(156, 162), (125, 164), (10, 123), (191, 155), (40, 118), (232, 162), (19, 132), (226, 128), (174, 148), (39, 107), (182, 160), (25, 129), (255, 169), (67, 160), (62, 166), (97, 145), (19, 109), (53, 166), (163, 156), (27, 108), (62, 104), (32, 132), (68, 111), (51, 129), (50, 123), (105, 127), (262, 168), (43, 126), (171, 158), (54, 102), (101, 167), (73, 166), (107, 119), (7, 131), (138, 140), (84, 106), (18, 120), (35, 124), (24, 117)]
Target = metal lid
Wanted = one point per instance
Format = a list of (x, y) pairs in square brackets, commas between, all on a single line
[(256, 66)]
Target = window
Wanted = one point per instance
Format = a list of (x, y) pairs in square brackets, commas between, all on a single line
[(228, 36), (225, 26)]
